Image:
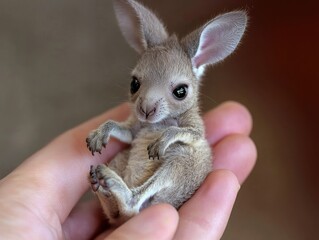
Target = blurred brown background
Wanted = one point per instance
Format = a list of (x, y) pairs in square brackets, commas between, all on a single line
[(62, 62)]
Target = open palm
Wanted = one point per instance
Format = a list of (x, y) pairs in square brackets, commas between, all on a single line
[(40, 199)]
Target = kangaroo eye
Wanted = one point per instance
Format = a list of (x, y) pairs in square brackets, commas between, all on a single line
[(180, 92), (135, 85)]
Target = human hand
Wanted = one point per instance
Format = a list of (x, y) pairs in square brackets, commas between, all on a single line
[(39, 199)]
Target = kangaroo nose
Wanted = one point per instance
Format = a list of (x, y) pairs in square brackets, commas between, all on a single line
[(148, 111)]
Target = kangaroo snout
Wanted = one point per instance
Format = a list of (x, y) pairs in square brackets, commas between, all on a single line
[(147, 111)]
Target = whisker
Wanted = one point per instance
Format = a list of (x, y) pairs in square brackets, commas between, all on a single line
[(209, 98)]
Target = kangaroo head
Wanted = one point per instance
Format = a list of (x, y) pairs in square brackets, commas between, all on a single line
[(166, 79)]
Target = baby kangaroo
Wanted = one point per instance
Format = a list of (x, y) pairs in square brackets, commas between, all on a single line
[(169, 156)]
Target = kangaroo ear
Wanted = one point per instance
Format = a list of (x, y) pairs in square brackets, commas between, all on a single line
[(215, 40), (140, 27)]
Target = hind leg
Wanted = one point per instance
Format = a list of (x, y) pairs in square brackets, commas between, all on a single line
[(176, 180), (113, 193), (120, 203), (173, 182), (109, 203)]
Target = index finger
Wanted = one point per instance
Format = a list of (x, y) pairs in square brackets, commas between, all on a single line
[(206, 214)]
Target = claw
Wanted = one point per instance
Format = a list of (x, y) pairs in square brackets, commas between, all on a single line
[(94, 183), (104, 145), (95, 186), (102, 182)]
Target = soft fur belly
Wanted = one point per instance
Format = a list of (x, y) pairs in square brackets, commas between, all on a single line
[(140, 167)]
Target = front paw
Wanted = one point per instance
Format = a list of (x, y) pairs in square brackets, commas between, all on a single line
[(156, 149), (96, 140)]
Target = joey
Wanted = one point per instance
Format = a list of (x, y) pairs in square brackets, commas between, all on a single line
[(168, 157)]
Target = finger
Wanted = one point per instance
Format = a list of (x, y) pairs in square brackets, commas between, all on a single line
[(156, 222), (59, 171), (206, 214), (236, 153), (228, 118), (84, 221)]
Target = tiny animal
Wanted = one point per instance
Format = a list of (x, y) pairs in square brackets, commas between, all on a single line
[(169, 157)]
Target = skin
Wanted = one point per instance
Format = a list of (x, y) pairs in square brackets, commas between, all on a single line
[(40, 199)]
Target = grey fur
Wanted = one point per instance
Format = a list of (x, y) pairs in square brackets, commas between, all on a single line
[(169, 156)]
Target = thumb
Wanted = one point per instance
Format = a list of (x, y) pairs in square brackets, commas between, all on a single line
[(156, 222)]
